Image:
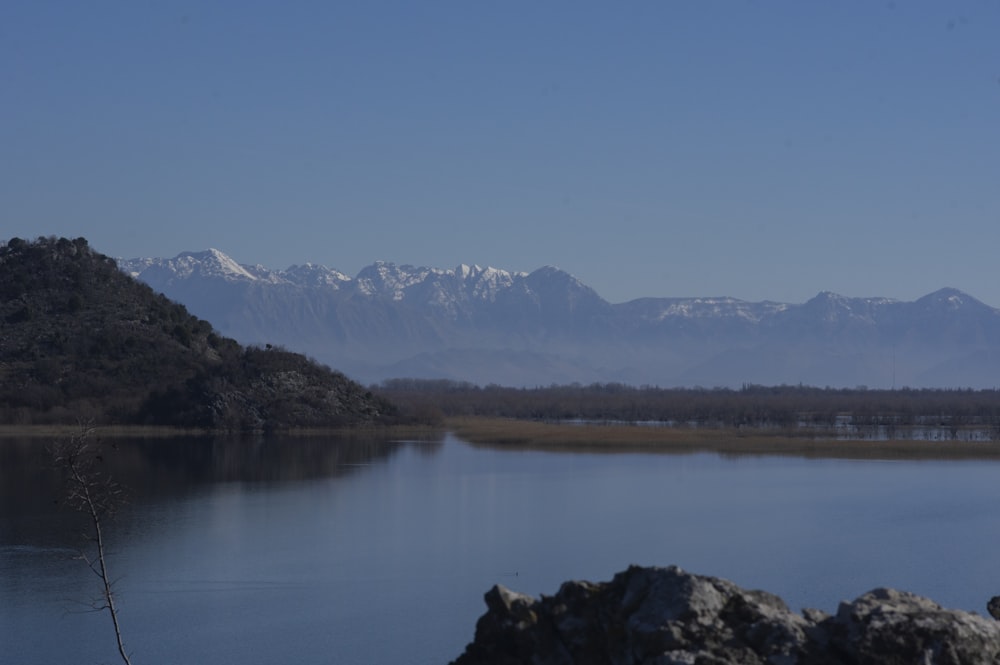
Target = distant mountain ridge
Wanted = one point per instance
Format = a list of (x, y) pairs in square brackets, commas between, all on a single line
[(489, 325)]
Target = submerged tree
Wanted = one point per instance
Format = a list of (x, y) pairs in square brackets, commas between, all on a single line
[(96, 495)]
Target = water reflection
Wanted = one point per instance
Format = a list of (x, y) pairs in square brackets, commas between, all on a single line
[(260, 551), (776, 446), (31, 485)]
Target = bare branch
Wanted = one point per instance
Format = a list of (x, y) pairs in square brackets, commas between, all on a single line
[(96, 495)]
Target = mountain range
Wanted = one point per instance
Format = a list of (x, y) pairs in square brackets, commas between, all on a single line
[(486, 325)]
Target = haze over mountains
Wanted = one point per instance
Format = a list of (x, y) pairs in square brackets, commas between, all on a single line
[(487, 325)]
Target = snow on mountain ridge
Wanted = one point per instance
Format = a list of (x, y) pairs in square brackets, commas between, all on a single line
[(381, 278), (950, 299), (464, 281), (472, 282), (215, 261), (719, 308), (834, 307), (314, 275), (387, 278), (487, 282), (210, 263)]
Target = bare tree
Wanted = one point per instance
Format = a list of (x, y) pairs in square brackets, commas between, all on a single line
[(93, 493)]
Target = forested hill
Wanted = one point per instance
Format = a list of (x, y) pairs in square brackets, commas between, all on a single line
[(80, 340)]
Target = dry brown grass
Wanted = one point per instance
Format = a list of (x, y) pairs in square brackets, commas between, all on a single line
[(631, 438)]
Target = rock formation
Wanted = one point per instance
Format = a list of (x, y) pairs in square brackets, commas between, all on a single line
[(666, 616), (993, 607)]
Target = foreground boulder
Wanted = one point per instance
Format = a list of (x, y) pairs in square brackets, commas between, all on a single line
[(666, 616)]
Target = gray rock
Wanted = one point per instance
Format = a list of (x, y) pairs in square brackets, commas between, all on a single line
[(666, 616), (897, 627), (993, 607)]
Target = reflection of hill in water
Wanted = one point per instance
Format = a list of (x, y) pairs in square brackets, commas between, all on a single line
[(278, 459), (35, 525), (29, 483)]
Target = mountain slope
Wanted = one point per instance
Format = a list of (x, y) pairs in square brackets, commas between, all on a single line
[(488, 325), (81, 340)]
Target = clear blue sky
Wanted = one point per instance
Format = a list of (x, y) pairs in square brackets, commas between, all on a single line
[(763, 150)]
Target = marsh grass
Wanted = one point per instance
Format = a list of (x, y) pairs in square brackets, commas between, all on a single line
[(572, 437)]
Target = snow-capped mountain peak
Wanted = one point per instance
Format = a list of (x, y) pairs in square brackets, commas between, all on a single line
[(392, 313), (209, 264), (949, 299), (213, 261), (385, 278), (314, 275)]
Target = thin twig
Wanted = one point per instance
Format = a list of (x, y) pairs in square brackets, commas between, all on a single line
[(96, 497)]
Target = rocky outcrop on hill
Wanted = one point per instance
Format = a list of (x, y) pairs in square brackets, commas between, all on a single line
[(666, 616)]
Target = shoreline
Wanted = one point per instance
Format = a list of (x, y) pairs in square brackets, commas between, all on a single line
[(111, 431), (516, 434), (553, 437), (164, 432)]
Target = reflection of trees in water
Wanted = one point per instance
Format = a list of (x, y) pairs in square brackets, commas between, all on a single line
[(30, 484), (36, 525), (298, 458)]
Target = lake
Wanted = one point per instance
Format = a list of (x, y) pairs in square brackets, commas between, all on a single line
[(358, 551)]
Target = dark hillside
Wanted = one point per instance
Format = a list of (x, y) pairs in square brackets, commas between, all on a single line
[(81, 340)]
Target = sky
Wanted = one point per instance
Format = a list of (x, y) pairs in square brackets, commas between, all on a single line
[(759, 150)]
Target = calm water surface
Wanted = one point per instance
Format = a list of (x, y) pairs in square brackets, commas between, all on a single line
[(322, 551)]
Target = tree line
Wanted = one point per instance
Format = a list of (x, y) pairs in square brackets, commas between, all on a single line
[(748, 406)]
